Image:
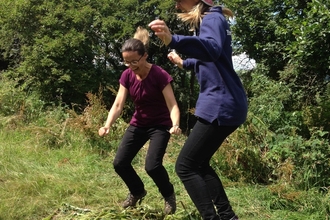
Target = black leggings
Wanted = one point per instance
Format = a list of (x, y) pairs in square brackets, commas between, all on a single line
[(200, 180), (133, 140)]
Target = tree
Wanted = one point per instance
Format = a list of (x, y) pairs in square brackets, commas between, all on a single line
[(286, 35), (64, 49), (310, 52)]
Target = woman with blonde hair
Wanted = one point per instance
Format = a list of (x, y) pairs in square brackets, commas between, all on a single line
[(156, 117), (221, 106)]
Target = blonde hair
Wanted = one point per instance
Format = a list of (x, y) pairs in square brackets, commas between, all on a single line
[(194, 17), (143, 35), (139, 42)]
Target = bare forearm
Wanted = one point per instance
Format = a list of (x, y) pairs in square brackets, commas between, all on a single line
[(113, 114), (175, 115)]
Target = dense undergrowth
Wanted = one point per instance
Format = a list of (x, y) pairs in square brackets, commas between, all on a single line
[(55, 166)]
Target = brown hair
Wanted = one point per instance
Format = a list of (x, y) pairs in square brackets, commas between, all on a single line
[(195, 15), (138, 43)]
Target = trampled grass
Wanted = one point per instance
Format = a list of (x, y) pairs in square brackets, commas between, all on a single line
[(77, 181)]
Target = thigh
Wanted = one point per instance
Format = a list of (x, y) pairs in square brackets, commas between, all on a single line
[(133, 140), (159, 138), (203, 141)]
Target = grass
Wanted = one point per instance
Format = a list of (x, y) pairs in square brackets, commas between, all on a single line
[(77, 181)]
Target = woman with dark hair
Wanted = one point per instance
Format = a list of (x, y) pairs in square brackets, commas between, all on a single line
[(221, 106), (156, 117)]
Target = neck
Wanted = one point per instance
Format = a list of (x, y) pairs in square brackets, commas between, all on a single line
[(144, 71)]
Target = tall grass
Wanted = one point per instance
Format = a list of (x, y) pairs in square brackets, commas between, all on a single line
[(54, 166), (78, 182)]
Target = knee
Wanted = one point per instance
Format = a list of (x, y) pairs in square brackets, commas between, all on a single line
[(119, 165), (180, 168), (115, 164), (185, 167), (151, 169)]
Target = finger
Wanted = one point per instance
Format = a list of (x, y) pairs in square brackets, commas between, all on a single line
[(158, 27), (155, 22)]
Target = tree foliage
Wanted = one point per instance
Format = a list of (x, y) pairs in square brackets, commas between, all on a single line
[(65, 49), (68, 48), (287, 35), (288, 123), (59, 51), (290, 38)]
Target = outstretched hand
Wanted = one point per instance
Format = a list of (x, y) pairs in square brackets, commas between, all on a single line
[(161, 30), (175, 58)]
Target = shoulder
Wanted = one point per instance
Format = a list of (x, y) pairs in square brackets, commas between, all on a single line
[(159, 74), (126, 77), (214, 18), (126, 74), (158, 70), (214, 12)]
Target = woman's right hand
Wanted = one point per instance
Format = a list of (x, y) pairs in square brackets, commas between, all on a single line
[(103, 131), (161, 31)]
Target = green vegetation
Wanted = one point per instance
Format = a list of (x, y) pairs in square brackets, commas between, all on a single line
[(60, 63), (56, 167)]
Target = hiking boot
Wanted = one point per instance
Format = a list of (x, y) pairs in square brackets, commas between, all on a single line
[(131, 200), (170, 205)]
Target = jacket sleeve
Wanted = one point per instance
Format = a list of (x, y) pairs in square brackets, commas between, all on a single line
[(208, 45), (189, 64)]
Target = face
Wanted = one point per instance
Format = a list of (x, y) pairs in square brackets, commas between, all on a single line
[(185, 5), (134, 60)]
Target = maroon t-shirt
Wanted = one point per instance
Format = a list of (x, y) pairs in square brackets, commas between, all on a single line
[(150, 106)]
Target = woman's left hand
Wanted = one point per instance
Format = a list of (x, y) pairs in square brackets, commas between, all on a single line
[(161, 30), (175, 130)]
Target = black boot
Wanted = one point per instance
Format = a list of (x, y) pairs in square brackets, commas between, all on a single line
[(170, 204), (131, 200)]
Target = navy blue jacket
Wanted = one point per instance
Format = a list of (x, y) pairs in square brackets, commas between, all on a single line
[(222, 96)]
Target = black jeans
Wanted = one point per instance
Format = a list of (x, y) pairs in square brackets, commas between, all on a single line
[(200, 180), (133, 140)]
